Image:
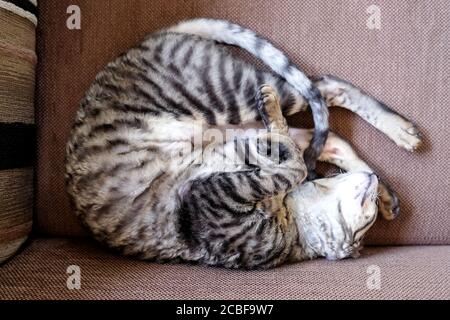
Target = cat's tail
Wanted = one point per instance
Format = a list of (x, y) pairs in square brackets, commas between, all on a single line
[(229, 33)]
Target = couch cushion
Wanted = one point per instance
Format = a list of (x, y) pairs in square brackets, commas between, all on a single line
[(405, 64), (17, 129), (412, 272)]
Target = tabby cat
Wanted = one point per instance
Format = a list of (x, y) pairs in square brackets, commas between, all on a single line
[(142, 184)]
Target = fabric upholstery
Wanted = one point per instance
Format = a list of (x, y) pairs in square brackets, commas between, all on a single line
[(405, 64), (17, 131), (410, 272)]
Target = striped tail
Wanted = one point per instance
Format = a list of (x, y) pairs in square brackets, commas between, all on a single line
[(226, 32)]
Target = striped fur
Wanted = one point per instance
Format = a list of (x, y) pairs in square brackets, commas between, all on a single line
[(229, 33), (141, 185)]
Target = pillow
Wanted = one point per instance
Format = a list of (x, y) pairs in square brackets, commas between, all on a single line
[(17, 130)]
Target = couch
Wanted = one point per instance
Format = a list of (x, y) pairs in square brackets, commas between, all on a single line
[(401, 59)]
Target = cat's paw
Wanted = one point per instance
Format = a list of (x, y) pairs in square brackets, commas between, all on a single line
[(403, 132), (267, 101), (388, 202), (268, 104)]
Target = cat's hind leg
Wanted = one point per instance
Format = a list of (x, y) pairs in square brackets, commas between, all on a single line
[(340, 93)]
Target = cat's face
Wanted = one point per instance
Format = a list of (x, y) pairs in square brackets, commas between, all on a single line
[(333, 214)]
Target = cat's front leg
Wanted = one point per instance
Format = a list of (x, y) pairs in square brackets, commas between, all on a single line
[(268, 103)]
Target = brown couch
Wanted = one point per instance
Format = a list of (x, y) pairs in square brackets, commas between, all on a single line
[(405, 63)]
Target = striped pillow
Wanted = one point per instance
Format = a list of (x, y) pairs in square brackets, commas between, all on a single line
[(17, 136)]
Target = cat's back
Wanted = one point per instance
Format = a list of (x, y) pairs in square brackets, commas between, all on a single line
[(122, 165)]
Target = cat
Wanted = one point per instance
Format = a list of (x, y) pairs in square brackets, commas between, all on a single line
[(133, 185)]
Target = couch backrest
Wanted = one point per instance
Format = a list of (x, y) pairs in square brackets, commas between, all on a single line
[(405, 63)]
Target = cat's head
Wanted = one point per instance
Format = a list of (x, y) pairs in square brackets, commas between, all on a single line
[(333, 214)]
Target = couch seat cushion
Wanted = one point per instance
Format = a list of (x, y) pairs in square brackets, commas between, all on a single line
[(407, 272)]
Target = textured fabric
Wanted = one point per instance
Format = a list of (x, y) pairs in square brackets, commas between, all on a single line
[(416, 272), (405, 64), (17, 67), (17, 143), (17, 80), (16, 205), (24, 8)]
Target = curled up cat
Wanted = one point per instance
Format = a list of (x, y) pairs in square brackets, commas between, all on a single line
[(240, 198)]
